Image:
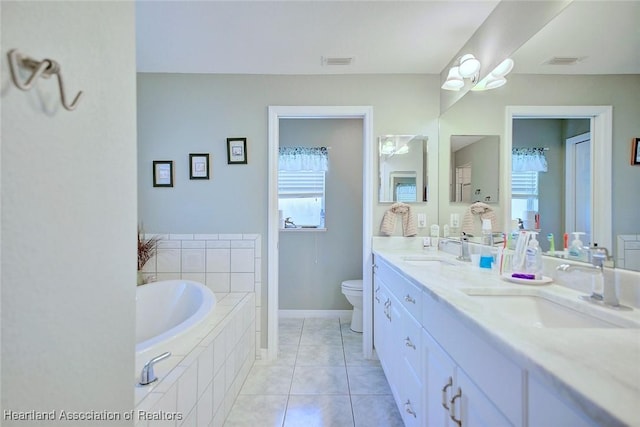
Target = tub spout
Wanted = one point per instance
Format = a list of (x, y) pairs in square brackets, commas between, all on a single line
[(147, 376)]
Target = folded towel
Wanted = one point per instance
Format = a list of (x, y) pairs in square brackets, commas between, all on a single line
[(481, 211), (408, 220)]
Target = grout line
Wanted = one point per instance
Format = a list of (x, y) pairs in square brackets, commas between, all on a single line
[(353, 417)]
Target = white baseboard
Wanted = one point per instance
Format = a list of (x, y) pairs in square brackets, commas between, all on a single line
[(300, 314)]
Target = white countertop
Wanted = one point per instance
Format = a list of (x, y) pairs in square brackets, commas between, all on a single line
[(597, 369)]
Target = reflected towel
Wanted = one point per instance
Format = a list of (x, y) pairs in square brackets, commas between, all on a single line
[(408, 220), (481, 211)]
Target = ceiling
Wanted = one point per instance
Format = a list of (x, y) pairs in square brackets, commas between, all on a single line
[(293, 37)]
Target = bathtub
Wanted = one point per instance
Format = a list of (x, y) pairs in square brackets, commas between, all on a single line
[(167, 312)]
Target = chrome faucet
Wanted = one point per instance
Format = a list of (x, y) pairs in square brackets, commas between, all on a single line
[(598, 257), (147, 376), (464, 248)]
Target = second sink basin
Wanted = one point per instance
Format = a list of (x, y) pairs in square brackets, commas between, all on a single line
[(422, 260), (540, 312)]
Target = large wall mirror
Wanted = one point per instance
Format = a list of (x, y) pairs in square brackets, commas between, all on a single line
[(402, 169), (474, 175), (537, 92)]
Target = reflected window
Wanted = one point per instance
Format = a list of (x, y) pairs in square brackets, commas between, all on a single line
[(524, 193)]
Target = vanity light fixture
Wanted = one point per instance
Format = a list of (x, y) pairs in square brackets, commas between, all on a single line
[(495, 78), (468, 68)]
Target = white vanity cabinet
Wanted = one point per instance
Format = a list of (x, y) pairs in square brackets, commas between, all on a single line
[(439, 373)]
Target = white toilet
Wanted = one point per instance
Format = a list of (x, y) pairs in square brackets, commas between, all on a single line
[(352, 289)]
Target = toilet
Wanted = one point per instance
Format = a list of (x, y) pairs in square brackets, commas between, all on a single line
[(352, 289)]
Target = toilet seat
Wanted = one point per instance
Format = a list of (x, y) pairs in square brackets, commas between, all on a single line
[(352, 285)]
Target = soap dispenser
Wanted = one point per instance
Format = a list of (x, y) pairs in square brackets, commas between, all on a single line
[(533, 261), (576, 249)]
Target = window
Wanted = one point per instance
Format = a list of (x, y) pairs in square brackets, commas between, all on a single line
[(301, 197), (524, 193), (301, 185)]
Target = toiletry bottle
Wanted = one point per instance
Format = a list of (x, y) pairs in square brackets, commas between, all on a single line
[(533, 263), (445, 230), (576, 249), (486, 255)]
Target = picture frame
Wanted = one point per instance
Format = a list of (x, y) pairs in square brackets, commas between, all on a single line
[(163, 173), (199, 166), (237, 151), (635, 151)]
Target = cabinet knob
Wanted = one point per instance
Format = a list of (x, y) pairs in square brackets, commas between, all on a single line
[(408, 409), (408, 298), (445, 398), (452, 409), (408, 343)]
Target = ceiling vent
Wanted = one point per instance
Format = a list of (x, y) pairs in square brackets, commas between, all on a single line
[(335, 60), (564, 60)]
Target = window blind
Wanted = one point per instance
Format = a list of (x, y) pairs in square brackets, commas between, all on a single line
[(299, 184), (524, 184)]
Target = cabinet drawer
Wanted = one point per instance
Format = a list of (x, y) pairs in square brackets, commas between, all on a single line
[(411, 403), (496, 376), (412, 345)]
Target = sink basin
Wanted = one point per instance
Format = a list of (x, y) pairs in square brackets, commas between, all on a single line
[(540, 312), (422, 260)]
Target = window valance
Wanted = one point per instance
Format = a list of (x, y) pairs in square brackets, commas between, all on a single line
[(528, 160), (303, 159)]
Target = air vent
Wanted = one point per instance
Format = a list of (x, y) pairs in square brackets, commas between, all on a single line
[(335, 60), (564, 60)]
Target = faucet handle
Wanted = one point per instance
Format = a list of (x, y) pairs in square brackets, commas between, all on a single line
[(147, 376)]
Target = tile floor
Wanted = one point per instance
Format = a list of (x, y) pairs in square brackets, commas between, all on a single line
[(319, 379)]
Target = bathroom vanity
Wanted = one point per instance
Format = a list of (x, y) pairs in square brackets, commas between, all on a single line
[(462, 347)]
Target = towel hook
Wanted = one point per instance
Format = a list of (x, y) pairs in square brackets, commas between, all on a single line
[(45, 68)]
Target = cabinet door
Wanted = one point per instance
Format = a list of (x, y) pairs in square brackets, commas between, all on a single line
[(546, 408), (440, 382), (379, 316), (473, 408)]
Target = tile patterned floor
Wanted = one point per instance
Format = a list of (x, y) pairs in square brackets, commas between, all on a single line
[(320, 379)]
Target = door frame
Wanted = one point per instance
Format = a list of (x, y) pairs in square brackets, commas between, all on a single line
[(601, 159), (570, 190), (319, 112)]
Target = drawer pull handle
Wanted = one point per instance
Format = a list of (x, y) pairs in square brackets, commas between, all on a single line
[(408, 298), (452, 410), (408, 343), (408, 410), (444, 393)]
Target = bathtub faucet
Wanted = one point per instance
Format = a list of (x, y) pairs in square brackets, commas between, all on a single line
[(147, 376)]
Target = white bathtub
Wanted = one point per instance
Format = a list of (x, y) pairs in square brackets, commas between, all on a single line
[(167, 312)]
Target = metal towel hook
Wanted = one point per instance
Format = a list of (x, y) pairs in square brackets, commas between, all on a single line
[(45, 68)]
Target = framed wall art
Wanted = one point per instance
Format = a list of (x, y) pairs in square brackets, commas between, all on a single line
[(163, 173), (199, 166), (236, 151), (635, 151)]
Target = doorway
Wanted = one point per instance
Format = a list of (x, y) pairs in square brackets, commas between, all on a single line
[(292, 112), (600, 159)]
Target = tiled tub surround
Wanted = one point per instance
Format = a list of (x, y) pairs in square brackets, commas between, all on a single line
[(223, 262), (594, 371), (201, 379)]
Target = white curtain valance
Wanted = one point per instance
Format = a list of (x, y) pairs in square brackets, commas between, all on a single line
[(528, 160), (303, 159)]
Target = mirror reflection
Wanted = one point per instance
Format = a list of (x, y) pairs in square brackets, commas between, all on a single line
[(402, 168), (551, 179), (474, 170)]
